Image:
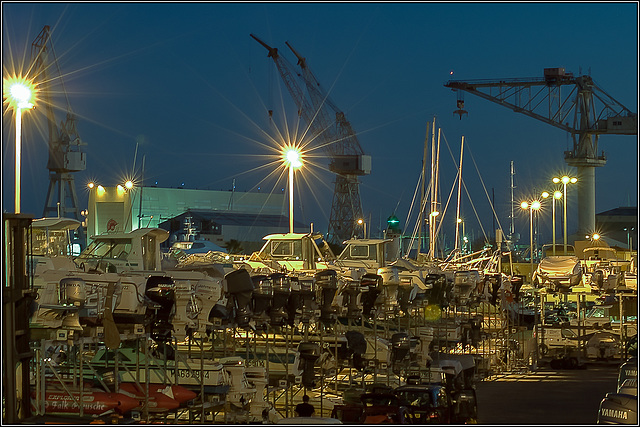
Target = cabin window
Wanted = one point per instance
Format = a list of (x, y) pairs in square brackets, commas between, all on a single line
[(362, 251), (289, 249)]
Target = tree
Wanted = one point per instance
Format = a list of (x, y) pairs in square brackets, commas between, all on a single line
[(234, 247)]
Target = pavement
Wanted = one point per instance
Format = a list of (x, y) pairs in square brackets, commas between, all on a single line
[(559, 397)]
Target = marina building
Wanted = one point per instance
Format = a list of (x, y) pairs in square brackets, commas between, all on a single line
[(219, 216)]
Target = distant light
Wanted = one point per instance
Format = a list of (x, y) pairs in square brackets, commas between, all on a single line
[(451, 72), (524, 205), (535, 205), (156, 182), (360, 221), (91, 185), (120, 190), (573, 180), (566, 179), (545, 194), (183, 184), (596, 236), (557, 194), (556, 180), (459, 220), (128, 184), (101, 190), (435, 213)]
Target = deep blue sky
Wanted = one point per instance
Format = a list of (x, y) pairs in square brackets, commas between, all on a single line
[(188, 82)]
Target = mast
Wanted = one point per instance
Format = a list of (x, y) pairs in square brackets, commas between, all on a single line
[(423, 198), (459, 192)]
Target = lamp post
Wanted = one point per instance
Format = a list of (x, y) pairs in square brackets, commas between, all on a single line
[(556, 195), (531, 206), (19, 94), (565, 180), (293, 159), (363, 223)]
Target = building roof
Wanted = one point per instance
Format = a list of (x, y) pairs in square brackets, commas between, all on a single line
[(239, 219), (630, 211)]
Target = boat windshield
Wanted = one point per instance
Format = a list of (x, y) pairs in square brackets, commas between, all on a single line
[(102, 249), (51, 242), (282, 249)]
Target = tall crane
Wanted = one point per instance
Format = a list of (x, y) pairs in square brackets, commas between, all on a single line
[(335, 135), (574, 104), (65, 154)]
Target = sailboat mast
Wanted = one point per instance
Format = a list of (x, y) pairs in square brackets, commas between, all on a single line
[(432, 217), (423, 201), (436, 187), (459, 193), (511, 229)]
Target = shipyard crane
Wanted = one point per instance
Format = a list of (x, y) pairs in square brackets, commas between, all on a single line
[(574, 104), (335, 135), (65, 154)]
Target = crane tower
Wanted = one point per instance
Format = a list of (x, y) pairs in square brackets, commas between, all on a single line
[(334, 133), (65, 154), (574, 104)]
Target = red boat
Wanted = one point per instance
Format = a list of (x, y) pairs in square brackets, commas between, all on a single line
[(176, 392), (158, 402), (93, 402)]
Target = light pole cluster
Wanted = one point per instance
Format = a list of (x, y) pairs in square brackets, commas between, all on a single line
[(556, 195), (565, 180), (19, 93), (531, 206)]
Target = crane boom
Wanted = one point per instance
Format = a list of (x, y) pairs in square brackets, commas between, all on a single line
[(65, 155), (583, 109), (335, 136)]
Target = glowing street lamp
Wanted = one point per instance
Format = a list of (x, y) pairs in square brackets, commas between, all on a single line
[(18, 92), (565, 180), (556, 195), (364, 229), (293, 159), (533, 206)]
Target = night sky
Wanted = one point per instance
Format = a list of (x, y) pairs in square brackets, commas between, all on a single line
[(189, 86)]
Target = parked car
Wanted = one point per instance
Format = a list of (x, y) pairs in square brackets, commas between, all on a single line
[(383, 408), (427, 404)]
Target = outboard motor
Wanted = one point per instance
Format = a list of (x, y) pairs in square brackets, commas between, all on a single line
[(516, 283), (240, 288), (371, 286), (400, 347), (494, 281), (358, 346), (618, 408), (72, 294), (438, 293), (406, 294), (281, 292), (327, 283), (350, 293), (161, 291), (262, 296), (309, 353), (294, 303), (628, 370)]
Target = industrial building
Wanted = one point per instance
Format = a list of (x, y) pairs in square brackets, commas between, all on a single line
[(220, 216)]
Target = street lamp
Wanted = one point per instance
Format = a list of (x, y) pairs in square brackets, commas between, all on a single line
[(565, 180), (364, 227), (293, 159), (556, 195), (19, 93), (533, 206)]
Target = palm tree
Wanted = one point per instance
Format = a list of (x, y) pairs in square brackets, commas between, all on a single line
[(234, 247)]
